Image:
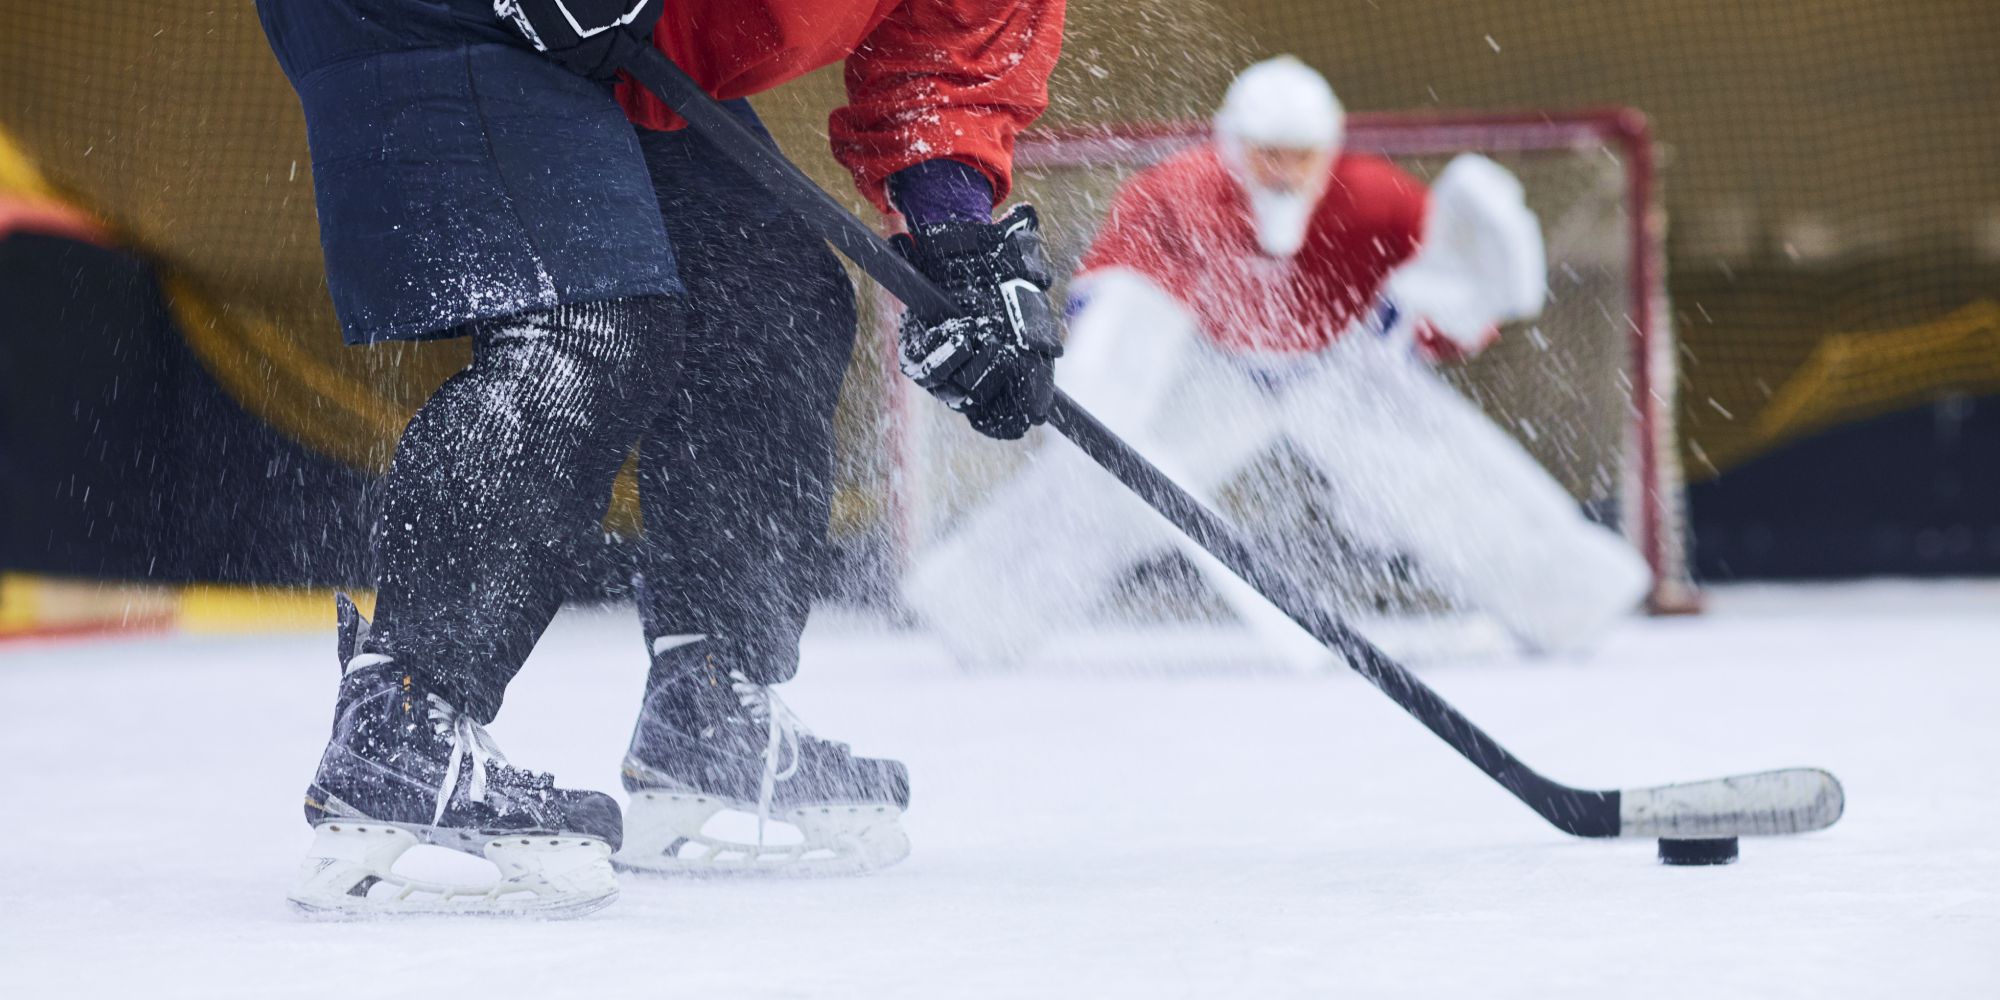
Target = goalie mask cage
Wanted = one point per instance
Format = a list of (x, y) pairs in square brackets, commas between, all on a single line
[(1588, 387)]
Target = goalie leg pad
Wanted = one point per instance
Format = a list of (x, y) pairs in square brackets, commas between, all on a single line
[(1419, 469), (664, 836), (349, 873)]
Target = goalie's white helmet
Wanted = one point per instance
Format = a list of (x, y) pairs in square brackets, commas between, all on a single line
[(1285, 103), (1275, 111)]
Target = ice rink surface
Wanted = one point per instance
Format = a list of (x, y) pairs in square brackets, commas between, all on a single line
[(1080, 835)]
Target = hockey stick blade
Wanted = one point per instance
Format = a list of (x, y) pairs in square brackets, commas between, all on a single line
[(1799, 800), (1776, 802)]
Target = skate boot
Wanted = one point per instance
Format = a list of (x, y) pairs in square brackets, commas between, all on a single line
[(711, 743), (405, 768)]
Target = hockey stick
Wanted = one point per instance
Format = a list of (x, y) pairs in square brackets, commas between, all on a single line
[(1770, 802)]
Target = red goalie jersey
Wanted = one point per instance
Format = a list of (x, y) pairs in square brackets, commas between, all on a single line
[(1186, 224)]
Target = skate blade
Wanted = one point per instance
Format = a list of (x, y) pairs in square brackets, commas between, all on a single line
[(663, 836), (348, 874)]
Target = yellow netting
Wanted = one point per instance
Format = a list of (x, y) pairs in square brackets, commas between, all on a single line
[(1849, 376)]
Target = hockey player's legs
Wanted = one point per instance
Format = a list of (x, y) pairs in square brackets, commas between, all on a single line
[(1418, 468), (497, 478), (736, 484), (468, 186), (510, 460), (736, 479)]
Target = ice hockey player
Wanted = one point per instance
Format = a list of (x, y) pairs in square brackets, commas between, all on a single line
[(482, 172), (1267, 287)]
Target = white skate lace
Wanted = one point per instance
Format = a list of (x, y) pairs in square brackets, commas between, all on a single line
[(469, 742), (782, 726)]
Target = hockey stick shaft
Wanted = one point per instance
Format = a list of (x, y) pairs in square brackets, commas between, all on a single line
[(1584, 813)]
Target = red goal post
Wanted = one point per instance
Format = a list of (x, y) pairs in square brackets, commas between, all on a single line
[(1589, 388)]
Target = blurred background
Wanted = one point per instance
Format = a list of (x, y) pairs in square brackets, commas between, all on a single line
[(184, 440)]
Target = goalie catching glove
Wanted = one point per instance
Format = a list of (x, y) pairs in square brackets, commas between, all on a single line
[(590, 37), (993, 360)]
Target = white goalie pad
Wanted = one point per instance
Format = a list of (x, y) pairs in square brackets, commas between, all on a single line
[(1417, 468), (350, 873), (1482, 261), (670, 833), (1128, 344)]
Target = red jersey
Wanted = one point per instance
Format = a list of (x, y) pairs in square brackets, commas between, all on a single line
[(926, 79), (1186, 224)]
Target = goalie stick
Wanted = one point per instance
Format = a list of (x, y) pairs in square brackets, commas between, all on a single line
[(1795, 800)]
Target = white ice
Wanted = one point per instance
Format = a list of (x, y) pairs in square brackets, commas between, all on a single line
[(1110, 835)]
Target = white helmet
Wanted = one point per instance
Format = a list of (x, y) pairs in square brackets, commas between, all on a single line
[(1282, 102)]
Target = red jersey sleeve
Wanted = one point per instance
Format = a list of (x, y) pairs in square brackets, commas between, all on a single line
[(946, 79), (1372, 222), (1140, 234), (1389, 204), (1410, 204)]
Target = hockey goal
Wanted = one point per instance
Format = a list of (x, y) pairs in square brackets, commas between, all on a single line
[(1588, 388)]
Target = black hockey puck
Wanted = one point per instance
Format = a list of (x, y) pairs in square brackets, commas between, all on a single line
[(1706, 851)]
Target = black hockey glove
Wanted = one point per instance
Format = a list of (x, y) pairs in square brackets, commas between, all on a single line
[(994, 360), (591, 37)]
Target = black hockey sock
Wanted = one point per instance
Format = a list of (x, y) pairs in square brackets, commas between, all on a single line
[(499, 475)]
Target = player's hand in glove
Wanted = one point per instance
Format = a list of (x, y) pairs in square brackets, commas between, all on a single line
[(591, 37), (994, 359)]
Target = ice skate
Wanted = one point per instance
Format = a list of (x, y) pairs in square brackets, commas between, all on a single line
[(405, 768), (714, 744)]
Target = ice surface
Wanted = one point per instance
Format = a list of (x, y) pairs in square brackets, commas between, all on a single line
[(1200, 835)]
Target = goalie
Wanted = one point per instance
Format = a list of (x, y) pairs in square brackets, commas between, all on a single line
[(1263, 289)]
